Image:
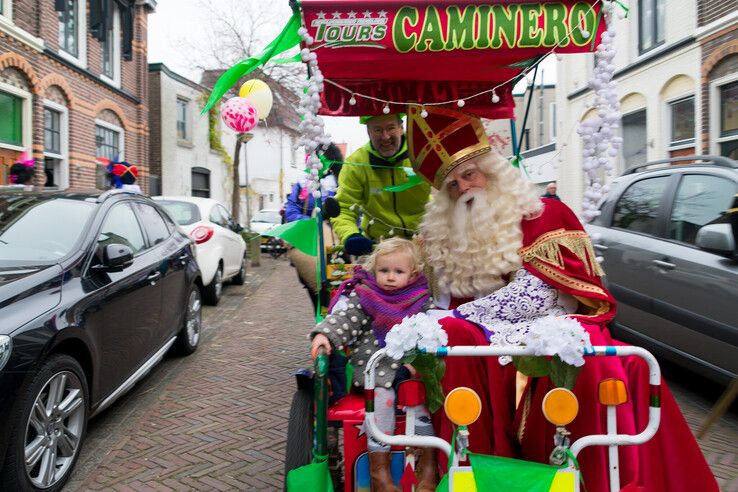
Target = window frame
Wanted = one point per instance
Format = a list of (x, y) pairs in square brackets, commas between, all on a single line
[(715, 113), (80, 59), (63, 156), (206, 172), (115, 34), (6, 9), (671, 144), (623, 164), (121, 141), (187, 134), (655, 24), (26, 115)]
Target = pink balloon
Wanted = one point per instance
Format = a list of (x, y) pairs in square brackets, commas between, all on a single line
[(239, 114)]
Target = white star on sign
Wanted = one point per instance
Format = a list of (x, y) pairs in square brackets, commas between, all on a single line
[(321, 15), (352, 15), (367, 13), (382, 13), (336, 15)]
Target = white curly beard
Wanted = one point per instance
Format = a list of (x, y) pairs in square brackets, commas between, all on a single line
[(473, 245)]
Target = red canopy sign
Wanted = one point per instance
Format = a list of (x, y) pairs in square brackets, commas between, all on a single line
[(444, 50)]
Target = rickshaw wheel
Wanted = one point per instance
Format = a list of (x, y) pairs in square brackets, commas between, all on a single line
[(299, 431)]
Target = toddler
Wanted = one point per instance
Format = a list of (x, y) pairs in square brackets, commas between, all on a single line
[(389, 287)]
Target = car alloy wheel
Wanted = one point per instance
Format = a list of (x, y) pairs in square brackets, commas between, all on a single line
[(193, 323), (54, 429)]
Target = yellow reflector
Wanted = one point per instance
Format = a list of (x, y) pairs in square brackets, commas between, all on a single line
[(462, 479), (612, 392), (463, 406), (560, 406)]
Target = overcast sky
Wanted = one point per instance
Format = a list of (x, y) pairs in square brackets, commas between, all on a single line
[(178, 26)]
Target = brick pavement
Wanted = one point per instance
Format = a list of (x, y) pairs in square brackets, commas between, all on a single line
[(217, 420)]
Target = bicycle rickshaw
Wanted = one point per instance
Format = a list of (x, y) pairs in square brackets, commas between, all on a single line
[(377, 57)]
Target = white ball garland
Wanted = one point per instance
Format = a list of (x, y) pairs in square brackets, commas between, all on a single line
[(600, 143)]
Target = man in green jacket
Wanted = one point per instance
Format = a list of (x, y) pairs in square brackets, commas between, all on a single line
[(382, 162)]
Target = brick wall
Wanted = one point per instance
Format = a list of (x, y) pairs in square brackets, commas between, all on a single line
[(86, 96), (719, 58), (155, 123), (711, 10)]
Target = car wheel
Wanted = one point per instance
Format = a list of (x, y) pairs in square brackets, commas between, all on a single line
[(211, 293), (189, 336), (48, 427), (240, 277)]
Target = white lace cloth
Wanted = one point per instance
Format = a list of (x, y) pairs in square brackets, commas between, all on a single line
[(506, 314)]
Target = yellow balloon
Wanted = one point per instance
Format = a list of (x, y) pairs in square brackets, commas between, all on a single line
[(259, 94)]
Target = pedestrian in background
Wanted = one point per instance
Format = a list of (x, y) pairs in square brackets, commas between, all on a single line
[(551, 191)]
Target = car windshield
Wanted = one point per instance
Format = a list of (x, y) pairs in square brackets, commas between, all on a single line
[(37, 229), (268, 216), (183, 213)]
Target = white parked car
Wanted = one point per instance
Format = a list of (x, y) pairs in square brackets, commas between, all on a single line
[(263, 221), (219, 245)]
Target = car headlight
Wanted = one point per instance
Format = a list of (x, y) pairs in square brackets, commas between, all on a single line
[(5, 348)]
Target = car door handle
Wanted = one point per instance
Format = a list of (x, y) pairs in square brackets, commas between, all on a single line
[(183, 257), (600, 247), (153, 277), (664, 264)]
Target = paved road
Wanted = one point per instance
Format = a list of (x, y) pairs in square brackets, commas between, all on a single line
[(217, 420)]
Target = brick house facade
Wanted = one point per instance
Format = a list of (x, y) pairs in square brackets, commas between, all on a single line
[(73, 86), (718, 38)]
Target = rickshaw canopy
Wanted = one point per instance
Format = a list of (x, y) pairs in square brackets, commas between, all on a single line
[(445, 50)]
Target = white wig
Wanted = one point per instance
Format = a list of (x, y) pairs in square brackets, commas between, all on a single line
[(472, 247)]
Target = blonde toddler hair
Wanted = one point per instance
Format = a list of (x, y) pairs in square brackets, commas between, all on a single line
[(395, 245)]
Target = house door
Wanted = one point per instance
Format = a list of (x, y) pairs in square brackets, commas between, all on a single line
[(7, 158)]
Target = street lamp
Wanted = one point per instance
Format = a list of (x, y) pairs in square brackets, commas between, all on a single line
[(236, 197)]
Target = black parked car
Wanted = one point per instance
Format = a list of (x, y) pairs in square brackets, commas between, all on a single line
[(94, 290), (666, 235)]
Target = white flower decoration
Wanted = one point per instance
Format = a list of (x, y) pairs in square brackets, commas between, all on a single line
[(419, 331), (560, 336)]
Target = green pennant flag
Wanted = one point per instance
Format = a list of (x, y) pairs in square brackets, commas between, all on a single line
[(511, 475), (314, 477), (286, 39), (302, 234)]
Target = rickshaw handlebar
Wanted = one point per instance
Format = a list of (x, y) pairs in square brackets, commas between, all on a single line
[(654, 412)]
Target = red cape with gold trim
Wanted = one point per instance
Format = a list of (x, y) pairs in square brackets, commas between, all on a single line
[(557, 250)]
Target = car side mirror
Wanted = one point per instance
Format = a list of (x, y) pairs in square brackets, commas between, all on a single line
[(116, 257), (331, 208), (717, 238)]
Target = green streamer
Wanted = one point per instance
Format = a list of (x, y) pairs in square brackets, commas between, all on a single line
[(622, 6), (288, 38), (302, 234), (413, 180), (292, 59)]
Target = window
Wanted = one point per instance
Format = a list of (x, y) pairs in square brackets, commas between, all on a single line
[(201, 182), (729, 120), (650, 24), (700, 200), (226, 216), (552, 122), (182, 130), (682, 121), (121, 227), (110, 46), (156, 228), (217, 217), (68, 27), (109, 144), (11, 124), (55, 145), (184, 213), (634, 138), (637, 209)]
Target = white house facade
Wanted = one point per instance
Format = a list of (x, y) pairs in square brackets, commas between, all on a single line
[(657, 71)]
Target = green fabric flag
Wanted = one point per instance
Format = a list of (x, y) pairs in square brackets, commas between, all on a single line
[(511, 475), (302, 234), (413, 180), (314, 477), (288, 38)]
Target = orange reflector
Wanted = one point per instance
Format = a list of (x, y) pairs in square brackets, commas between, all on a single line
[(612, 392), (463, 406), (560, 406)]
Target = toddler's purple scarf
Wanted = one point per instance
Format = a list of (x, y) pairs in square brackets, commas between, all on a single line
[(386, 308)]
